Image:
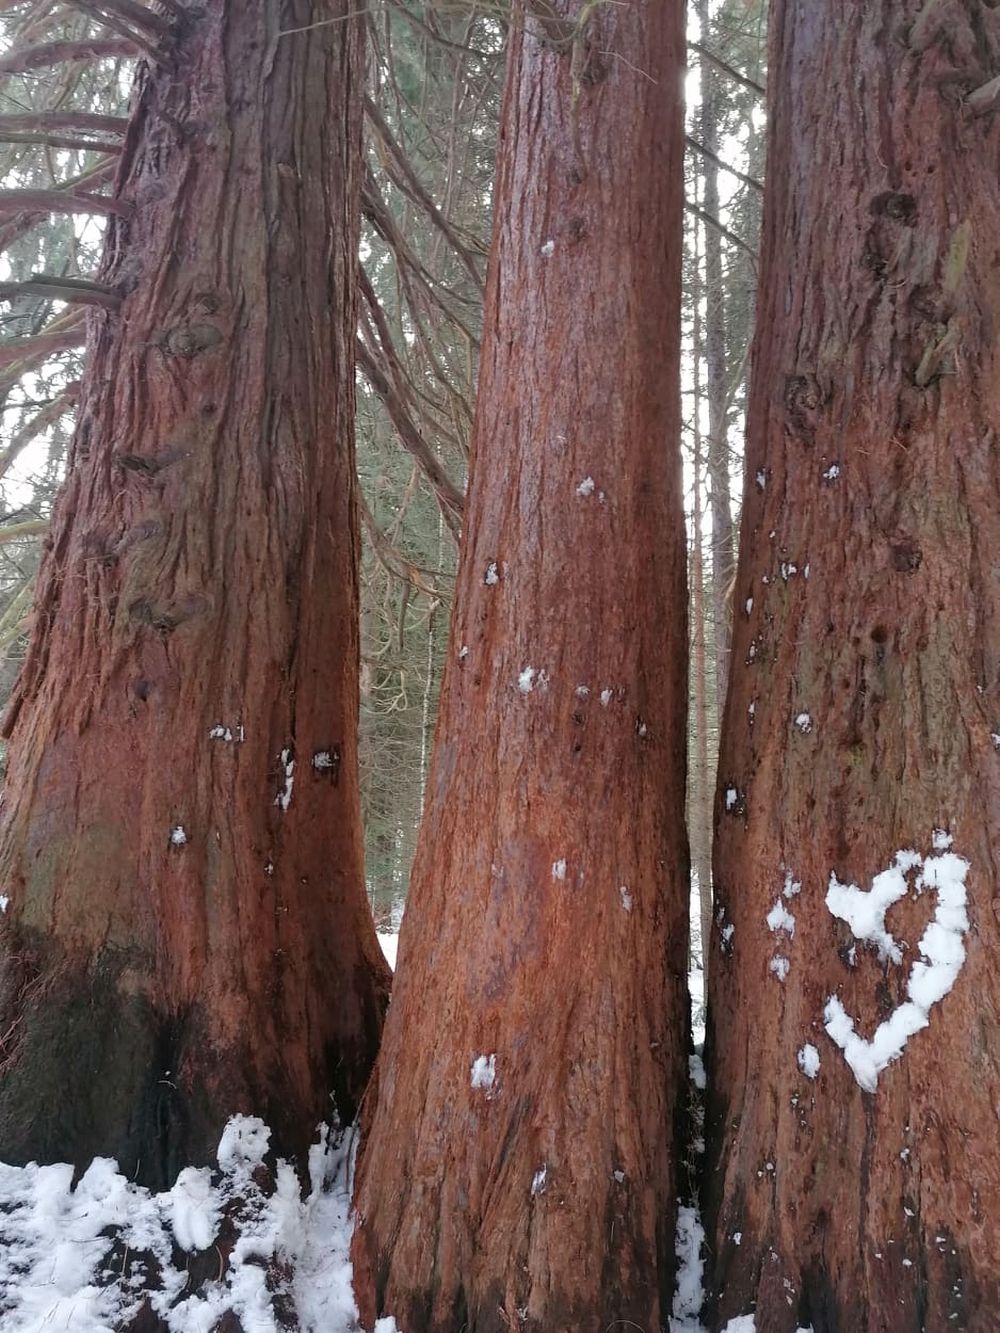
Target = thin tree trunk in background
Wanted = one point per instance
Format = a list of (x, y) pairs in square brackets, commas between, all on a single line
[(700, 806), (187, 933), (519, 1169), (723, 562), (852, 1131)]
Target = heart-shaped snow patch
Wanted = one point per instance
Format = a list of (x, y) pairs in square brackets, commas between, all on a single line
[(932, 976)]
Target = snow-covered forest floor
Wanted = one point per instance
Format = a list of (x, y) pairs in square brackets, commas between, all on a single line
[(240, 1239)]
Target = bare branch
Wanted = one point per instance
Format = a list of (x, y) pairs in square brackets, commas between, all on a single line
[(76, 121), (24, 222), (450, 498), (47, 54), (13, 202), (62, 141), (128, 12), (14, 619), (412, 186), (719, 227), (713, 59), (149, 45), (391, 558), (74, 291), (15, 532), (20, 354), (702, 151), (40, 422)]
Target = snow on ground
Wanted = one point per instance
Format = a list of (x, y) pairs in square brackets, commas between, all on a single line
[(83, 1260), (389, 942)]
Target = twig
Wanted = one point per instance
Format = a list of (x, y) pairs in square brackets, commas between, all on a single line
[(74, 291), (720, 227), (60, 201), (713, 59), (714, 157)]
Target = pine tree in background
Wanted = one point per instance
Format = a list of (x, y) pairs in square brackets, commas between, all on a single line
[(432, 120)]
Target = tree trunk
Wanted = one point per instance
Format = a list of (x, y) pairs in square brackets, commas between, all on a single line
[(187, 933), (853, 1169), (700, 803), (716, 378), (519, 1171)]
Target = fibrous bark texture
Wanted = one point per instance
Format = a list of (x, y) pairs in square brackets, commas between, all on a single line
[(854, 1062), (186, 933), (519, 1168)]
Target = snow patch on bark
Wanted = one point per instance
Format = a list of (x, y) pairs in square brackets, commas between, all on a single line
[(231, 735), (808, 1060), (780, 918), (484, 1072), (932, 976), (864, 909), (530, 677), (284, 797)]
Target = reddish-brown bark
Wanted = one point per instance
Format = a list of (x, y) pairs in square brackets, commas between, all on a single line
[(546, 929), (865, 698), (179, 945)]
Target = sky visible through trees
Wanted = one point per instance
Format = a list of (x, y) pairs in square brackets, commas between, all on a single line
[(536, 462)]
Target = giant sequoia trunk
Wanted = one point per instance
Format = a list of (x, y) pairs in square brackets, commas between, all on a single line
[(519, 1168), (854, 1056), (187, 933)]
